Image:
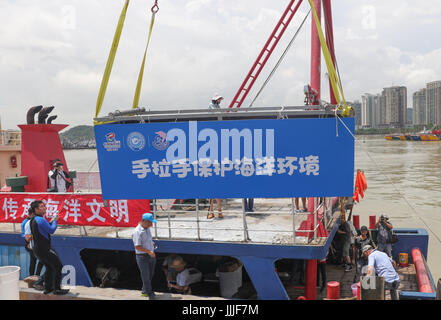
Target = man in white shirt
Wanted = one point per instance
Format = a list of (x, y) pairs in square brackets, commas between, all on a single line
[(384, 266), (145, 253), (182, 284), (58, 178)]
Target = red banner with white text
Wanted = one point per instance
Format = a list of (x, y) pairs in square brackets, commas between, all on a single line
[(75, 209)]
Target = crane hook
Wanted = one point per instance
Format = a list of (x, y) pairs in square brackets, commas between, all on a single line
[(155, 7)]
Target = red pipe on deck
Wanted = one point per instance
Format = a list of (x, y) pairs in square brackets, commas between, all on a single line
[(421, 272)]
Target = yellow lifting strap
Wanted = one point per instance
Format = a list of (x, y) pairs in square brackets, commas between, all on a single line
[(335, 81), (155, 9), (111, 59)]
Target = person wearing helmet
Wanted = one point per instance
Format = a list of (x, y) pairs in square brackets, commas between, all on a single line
[(216, 101)]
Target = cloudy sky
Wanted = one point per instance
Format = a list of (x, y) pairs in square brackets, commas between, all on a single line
[(53, 52)]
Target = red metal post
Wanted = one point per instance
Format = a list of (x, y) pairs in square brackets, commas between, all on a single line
[(311, 279), (316, 51), (265, 54), (315, 68), (327, 10)]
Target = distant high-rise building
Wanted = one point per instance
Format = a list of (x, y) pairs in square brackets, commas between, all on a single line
[(370, 110), (409, 120), (357, 107), (419, 107), (433, 103), (395, 104)]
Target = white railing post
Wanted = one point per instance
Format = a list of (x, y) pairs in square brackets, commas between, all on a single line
[(245, 227), (197, 219), (169, 224), (293, 221), (154, 216)]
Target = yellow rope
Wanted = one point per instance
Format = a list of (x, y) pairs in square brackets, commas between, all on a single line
[(335, 83), (111, 59), (141, 72)]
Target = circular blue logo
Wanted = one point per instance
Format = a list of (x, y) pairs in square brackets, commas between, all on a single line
[(160, 141), (136, 141)]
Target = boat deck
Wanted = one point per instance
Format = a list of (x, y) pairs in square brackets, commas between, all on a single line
[(408, 282), (95, 293), (270, 223)]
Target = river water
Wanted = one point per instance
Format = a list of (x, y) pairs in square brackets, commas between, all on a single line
[(404, 182)]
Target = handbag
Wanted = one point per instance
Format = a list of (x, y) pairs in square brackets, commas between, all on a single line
[(393, 238)]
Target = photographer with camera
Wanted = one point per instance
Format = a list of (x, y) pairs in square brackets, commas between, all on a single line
[(57, 178), (384, 236)]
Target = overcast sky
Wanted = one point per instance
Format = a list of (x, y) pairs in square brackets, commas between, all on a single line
[(53, 52)]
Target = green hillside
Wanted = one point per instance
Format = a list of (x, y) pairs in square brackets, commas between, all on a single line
[(79, 133), (78, 138)]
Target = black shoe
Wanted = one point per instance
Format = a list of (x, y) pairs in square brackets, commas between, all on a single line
[(348, 268), (38, 287), (47, 291), (60, 292)]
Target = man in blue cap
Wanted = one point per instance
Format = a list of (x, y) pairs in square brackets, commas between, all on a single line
[(145, 253)]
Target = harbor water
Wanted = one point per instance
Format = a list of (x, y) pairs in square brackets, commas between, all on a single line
[(403, 177)]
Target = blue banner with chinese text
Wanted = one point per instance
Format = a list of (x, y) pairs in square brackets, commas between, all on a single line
[(226, 159)]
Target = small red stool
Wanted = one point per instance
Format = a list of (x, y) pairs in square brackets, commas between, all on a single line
[(333, 290)]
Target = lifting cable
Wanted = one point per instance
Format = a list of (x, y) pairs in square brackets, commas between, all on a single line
[(280, 60), (154, 10), (335, 81), (112, 54), (111, 59)]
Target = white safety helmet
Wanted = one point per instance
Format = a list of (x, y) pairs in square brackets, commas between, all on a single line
[(216, 96)]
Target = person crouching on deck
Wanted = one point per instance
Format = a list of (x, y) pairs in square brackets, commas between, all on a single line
[(380, 263), (145, 253), (182, 277)]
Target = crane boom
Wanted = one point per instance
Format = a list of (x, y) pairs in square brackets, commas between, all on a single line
[(265, 54)]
